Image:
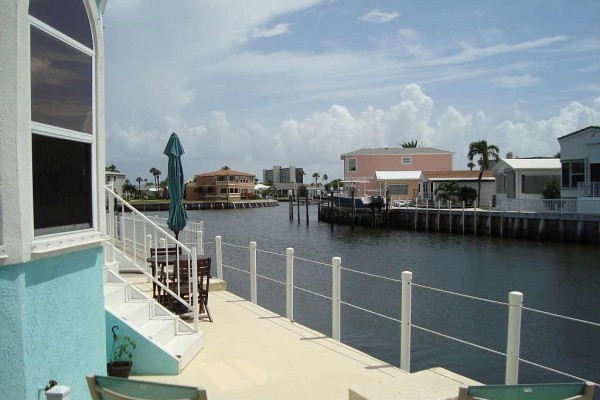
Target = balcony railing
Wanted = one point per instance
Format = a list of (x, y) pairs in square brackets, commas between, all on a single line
[(558, 206), (588, 189)]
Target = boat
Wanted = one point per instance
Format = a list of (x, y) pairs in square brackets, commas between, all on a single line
[(342, 199)]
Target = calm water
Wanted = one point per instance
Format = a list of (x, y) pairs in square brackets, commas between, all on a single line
[(562, 279)]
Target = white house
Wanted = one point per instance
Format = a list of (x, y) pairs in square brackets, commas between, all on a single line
[(524, 178), (580, 160), (117, 179)]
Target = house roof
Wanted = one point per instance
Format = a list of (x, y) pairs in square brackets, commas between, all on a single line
[(397, 175), (225, 172), (529, 163), (388, 151), (579, 131), (466, 175)]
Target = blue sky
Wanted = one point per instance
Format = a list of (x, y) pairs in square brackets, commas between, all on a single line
[(252, 84)]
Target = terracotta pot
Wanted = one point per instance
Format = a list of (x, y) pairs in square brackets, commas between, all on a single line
[(120, 369)]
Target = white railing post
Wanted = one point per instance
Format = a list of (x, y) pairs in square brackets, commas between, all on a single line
[(110, 226), (405, 322), (253, 272), (515, 304), (490, 218), (200, 242), (463, 217), (219, 255), (336, 262), (195, 288), (148, 251), (289, 283), (450, 216)]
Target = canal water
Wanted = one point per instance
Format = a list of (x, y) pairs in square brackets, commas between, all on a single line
[(558, 278)]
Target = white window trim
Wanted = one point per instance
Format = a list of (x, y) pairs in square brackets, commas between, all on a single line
[(61, 241), (72, 238), (405, 158)]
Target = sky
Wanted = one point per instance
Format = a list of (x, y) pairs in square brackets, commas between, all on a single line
[(252, 84)]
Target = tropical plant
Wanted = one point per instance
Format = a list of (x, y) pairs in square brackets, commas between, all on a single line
[(447, 191), (325, 178), (156, 174), (139, 181), (471, 165), (551, 190), (316, 176), (486, 153), (335, 184), (111, 168), (122, 348), (225, 168), (467, 194), (411, 145), (302, 191)]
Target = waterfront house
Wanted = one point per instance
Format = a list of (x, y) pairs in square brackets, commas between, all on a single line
[(429, 181), (401, 186), (580, 162), (364, 163), (224, 184), (52, 212), (524, 178)]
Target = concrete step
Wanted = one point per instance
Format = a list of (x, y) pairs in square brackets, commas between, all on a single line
[(134, 312), (185, 347), (115, 294), (160, 330)]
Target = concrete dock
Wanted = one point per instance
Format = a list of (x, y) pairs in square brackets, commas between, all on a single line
[(252, 353)]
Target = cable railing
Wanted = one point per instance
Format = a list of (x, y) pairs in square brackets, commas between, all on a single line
[(514, 305)]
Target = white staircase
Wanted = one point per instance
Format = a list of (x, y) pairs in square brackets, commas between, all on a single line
[(168, 343)]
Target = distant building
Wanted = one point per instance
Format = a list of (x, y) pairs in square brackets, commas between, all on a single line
[(580, 163), (364, 163), (284, 179), (524, 178), (226, 185), (117, 179), (431, 180)]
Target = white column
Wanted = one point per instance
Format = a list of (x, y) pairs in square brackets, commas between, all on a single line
[(253, 297), (219, 255), (200, 242), (289, 283), (405, 329), (513, 342), (335, 298), (195, 288)]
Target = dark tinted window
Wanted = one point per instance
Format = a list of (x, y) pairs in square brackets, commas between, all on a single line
[(62, 185), (566, 175), (66, 16), (61, 84)]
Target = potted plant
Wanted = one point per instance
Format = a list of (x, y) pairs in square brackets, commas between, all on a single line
[(121, 355)]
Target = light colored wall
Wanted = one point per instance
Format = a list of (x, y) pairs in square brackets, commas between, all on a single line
[(413, 185), (366, 166), (53, 324)]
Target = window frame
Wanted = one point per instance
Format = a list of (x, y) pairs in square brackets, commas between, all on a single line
[(406, 160), (348, 162), (38, 128), (570, 174)]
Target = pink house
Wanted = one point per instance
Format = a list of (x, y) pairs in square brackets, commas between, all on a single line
[(364, 163)]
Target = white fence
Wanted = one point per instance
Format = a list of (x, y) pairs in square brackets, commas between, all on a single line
[(559, 206), (514, 304)]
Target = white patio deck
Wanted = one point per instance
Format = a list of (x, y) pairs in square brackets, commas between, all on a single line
[(251, 353)]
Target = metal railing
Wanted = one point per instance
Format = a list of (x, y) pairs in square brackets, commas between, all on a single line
[(559, 206), (139, 238), (588, 189), (514, 306)]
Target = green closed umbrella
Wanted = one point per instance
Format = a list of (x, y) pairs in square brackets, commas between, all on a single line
[(177, 215)]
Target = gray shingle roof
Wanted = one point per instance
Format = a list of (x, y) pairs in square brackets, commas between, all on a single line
[(395, 151)]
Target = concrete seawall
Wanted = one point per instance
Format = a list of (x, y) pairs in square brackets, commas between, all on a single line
[(578, 228)]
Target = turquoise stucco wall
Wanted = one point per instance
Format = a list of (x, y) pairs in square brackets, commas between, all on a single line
[(56, 324)]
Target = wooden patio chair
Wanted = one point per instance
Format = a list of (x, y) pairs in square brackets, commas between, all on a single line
[(543, 391), (182, 279), (111, 388)]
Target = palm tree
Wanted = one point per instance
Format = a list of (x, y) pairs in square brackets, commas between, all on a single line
[(156, 173), (411, 145), (111, 168), (224, 168), (471, 164), (486, 152), (325, 178), (316, 176), (139, 181)]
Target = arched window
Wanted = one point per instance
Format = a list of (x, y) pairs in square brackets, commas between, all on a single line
[(62, 115)]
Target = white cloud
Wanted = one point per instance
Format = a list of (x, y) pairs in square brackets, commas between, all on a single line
[(379, 17), (516, 81), (277, 30), (590, 68)]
